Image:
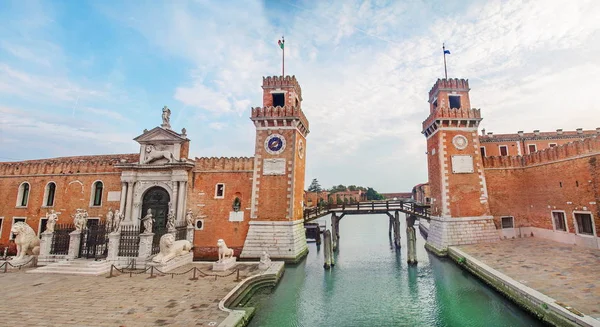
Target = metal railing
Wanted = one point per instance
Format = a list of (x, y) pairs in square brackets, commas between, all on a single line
[(409, 207), (61, 239), (129, 242), (181, 232)]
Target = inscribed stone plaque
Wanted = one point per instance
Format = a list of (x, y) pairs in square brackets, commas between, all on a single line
[(236, 216), (114, 196), (462, 164), (274, 167)]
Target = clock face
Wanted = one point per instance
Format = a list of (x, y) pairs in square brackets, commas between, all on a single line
[(275, 144), (300, 149)]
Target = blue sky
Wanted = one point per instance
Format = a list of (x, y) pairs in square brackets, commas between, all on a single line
[(86, 77)]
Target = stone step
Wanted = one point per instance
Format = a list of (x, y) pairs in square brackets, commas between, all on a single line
[(77, 267)]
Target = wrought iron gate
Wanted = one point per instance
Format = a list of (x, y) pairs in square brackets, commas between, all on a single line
[(94, 242), (60, 239)]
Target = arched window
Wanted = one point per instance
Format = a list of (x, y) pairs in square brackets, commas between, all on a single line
[(50, 191), (97, 194), (23, 196)]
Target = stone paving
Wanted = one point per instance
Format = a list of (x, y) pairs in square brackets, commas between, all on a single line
[(74, 300), (567, 273)]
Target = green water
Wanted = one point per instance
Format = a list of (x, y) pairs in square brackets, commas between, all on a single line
[(371, 285)]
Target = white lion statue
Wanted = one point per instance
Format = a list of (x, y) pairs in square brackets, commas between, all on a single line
[(169, 248), (224, 251), (153, 154), (27, 242)]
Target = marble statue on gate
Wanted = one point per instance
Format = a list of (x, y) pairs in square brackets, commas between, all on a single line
[(166, 117), (51, 222), (171, 220), (80, 219), (189, 218), (170, 248), (109, 219), (224, 251), (148, 220), (26, 240), (116, 224)]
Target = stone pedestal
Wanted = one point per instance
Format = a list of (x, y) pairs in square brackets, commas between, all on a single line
[(283, 240), (226, 264), (444, 232), (114, 240), (173, 232), (46, 244), (145, 250), (190, 234), (74, 242), (176, 262)]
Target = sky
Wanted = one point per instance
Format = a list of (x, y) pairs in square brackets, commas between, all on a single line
[(86, 77)]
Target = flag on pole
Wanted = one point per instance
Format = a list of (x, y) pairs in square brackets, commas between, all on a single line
[(446, 51), (281, 43)]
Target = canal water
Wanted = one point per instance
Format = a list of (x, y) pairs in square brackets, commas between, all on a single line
[(372, 285)]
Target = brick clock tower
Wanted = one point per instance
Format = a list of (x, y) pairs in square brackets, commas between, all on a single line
[(460, 209), (276, 220)]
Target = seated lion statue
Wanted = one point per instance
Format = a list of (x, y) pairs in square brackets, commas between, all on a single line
[(169, 248), (224, 251), (26, 240)]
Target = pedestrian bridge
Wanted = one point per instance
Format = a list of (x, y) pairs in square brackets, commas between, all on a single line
[(419, 210)]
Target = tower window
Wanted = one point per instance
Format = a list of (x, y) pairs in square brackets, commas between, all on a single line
[(454, 101), (508, 222), (97, 195), (220, 191), (584, 223), (482, 150), (278, 99), (503, 150), (50, 191)]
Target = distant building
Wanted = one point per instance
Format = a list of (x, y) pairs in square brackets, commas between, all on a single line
[(420, 193), (397, 196)]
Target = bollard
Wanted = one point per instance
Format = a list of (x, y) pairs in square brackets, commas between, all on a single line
[(237, 278), (194, 277), (152, 272)]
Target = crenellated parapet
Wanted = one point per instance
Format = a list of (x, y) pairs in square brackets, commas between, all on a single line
[(450, 84), (67, 165), (282, 82), (571, 150), (290, 116), (451, 117), (223, 164)]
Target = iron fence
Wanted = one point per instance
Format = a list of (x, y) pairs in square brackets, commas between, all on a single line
[(129, 243), (181, 232), (94, 242), (158, 233), (61, 238)]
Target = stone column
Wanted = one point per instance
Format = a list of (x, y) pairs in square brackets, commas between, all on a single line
[(129, 201), (74, 240), (123, 196), (46, 244), (180, 205), (190, 234), (113, 246), (145, 250)]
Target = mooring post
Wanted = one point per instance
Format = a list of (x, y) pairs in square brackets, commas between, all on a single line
[(327, 249), (390, 226), (397, 229), (411, 239), (334, 233), (318, 236)]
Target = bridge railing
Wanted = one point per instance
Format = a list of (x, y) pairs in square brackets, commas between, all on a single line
[(410, 207)]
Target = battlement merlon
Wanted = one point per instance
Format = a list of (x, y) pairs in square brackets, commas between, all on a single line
[(290, 116), (446, 117), (450, 84), (282, 82)]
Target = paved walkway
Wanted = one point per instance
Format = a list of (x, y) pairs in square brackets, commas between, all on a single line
[(567, 273), (72, 300)]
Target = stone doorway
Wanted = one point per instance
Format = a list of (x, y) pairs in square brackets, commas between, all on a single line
[(156, 199)]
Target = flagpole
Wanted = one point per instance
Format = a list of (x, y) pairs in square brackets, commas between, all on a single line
[(444, 51), (283, 57)]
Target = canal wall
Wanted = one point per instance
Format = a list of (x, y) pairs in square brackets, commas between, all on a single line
[(240, 294), (542, 306)]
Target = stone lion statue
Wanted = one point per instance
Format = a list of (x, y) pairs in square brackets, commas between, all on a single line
[(153, 154), (169, 248), (27, 242), (224, 251)]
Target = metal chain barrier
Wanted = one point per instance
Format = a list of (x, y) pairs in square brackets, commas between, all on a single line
[(196, 272), (4, 266)]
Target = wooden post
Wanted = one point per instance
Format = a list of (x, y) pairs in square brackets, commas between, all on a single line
[(334, 231), (397, 229), (411, 239), (327, 249), (390, 226)]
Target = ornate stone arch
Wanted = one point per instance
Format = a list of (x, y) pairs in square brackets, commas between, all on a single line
[(140, 190)]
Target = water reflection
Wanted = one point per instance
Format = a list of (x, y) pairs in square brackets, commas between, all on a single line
[(372, 285)]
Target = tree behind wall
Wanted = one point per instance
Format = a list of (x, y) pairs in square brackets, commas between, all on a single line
[(315, 186)]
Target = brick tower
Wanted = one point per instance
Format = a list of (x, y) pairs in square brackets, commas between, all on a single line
[(276, 224), (460, 210)]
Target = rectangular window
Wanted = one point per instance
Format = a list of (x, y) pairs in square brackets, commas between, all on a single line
[(454, 101), (584, 223), (482, 150), (503, 150), (532, 148), (93, 221), (551, 145), (558, 218), (43, 222), (220, 191), (15, 220), (278, 99), (508, 222)]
